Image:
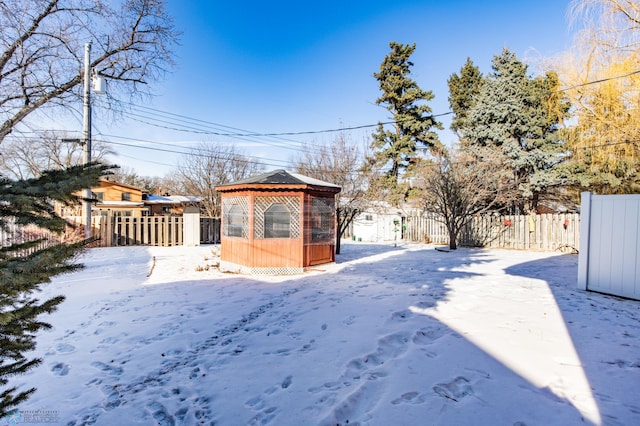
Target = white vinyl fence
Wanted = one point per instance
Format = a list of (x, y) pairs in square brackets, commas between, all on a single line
[(610, 244)]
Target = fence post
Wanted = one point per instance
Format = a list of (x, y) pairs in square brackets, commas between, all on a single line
[(191, 226), (585, 225)]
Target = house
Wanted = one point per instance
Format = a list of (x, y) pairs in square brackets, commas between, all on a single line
[(169, 204), (111, 199), (118, 199)]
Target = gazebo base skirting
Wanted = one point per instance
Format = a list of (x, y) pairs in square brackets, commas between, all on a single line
[(276, 270)]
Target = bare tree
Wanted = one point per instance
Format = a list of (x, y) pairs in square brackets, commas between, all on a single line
[(41, 61), (613, 26), (29, 157), (41, 66), (338, 163), (210, 165), (459, 186)]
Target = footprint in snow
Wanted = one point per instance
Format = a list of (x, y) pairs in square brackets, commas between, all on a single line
[(264, 417), (401, 316), (428, 335), (350, 320), (61, 348), (455, 390), (259, 403), (392, 345), (109, 369), (307, 347), (160, 414), (287, 382), (60, 369), (409, 398)]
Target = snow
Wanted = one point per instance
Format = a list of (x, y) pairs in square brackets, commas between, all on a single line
[(388, 335)]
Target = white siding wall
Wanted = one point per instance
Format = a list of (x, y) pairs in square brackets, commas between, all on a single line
[(610, 244), (372, 227)]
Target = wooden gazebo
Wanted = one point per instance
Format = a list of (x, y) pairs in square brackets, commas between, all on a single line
[(277, 223)]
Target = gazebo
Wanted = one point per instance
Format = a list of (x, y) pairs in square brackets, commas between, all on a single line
[(277, 223)]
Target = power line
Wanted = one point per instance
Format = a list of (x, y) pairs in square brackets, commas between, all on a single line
[(603, 80), (207, 124), (193, 153), (144, 160), (187, 125), (246, 133), (604, 145)]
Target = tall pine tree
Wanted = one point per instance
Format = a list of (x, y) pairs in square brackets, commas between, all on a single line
[(24, 269), (396, 147), (520, 116), (464, 90)]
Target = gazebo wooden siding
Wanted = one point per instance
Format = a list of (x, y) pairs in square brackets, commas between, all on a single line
[(265, 252), (251, 254)]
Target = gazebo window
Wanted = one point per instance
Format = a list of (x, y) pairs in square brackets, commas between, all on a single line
[(235, 217), (270, 214), (235, 221), (277, 221), (322, 219)]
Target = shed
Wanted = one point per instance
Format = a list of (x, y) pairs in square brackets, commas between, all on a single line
[(277, 223)]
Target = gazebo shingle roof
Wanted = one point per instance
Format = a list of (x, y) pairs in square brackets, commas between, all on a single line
[(279, 177)]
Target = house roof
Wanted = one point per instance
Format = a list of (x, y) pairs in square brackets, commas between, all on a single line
[(280, 178), (124, 185), (171, 199)]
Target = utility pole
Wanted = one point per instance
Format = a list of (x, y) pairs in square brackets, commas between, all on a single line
[(86, 136)]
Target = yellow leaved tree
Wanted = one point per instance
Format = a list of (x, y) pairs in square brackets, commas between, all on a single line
[(601, 77)]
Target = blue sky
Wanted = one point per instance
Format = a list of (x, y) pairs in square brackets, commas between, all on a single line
[(280, 66)]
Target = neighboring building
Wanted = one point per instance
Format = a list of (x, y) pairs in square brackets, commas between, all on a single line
[(111, 199), (379, 223), (118, 199), (169, 204)]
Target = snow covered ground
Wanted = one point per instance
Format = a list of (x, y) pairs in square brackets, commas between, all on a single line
[(388, 335)]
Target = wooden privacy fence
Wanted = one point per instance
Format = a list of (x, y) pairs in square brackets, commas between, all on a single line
[(524, 232), (209, 230), (149, 230), (17, 234), (134, 231)]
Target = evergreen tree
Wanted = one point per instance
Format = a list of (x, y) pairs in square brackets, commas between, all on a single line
[(414, 122), (521, 116), (464, 90), (134, 48), (23, 268)]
